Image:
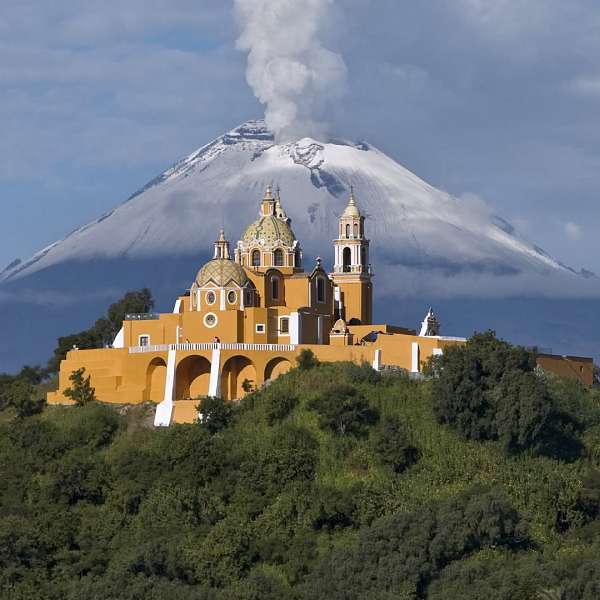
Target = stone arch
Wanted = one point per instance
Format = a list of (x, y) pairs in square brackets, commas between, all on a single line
[(156, 376), (276, 367), (192, 378), (235, 370)]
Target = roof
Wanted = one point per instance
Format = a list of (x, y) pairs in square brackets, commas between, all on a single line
[(222, 271), (268, 230)]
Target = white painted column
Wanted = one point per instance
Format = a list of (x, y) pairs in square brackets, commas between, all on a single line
[(222, 298), (164, 410), (214, 386), (295, 328), (377, 360), (415, 368)]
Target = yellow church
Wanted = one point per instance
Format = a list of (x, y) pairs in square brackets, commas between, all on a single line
[(247, 316)]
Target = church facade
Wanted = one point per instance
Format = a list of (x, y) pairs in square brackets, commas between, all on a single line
[(247, 316)]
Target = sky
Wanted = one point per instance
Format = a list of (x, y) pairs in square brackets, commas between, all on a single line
[(497, 100)]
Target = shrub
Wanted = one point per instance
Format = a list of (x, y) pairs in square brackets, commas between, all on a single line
[(81, 390), (392, 447), (215, 414), (307, 360), (343, 410), (20, 395), (279, 405)]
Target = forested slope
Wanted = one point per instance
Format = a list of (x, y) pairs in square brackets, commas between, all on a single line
[(332, 482)]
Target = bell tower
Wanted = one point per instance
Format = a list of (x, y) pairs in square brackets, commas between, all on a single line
[(352, 271)]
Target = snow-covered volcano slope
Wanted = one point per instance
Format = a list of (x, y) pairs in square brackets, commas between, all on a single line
[(424, 240)]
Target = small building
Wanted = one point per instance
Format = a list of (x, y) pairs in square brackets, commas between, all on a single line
[(247, 316)]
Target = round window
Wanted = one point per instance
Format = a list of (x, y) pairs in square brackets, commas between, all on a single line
[(231, 297), (210, 297), (210, 320)]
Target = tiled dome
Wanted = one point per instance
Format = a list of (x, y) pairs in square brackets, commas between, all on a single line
[(267, 230), (221, 272)]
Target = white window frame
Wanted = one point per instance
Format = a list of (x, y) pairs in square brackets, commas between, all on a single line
[(235, 297), (143, 335), (260, 328), (206, 295)]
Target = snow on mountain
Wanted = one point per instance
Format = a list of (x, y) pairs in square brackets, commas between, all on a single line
[(423, 239)]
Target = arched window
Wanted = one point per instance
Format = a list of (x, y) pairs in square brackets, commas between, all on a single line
[(355, 230), (347, 259), (347, 230), (320, 289), (275, 288), (278, 257), (256, 258)]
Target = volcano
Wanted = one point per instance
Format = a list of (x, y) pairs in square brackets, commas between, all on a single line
[(427, 246)]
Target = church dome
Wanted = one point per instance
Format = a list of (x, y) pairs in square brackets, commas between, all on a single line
[(267, 230), (221, 272)]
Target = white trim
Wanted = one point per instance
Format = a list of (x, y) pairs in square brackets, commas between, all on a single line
[(295, 328), (206, 296), (234, 297), (262, 326), (377, 360), (143, 335), (119, 341), (210, 314), (214, 385), (222, 303), (177, 306), (415, 366)]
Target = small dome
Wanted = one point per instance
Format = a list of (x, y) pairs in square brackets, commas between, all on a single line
[(352, 209), (221, 272), (268, 230)]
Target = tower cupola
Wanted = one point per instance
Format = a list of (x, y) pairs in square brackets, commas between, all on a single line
[(221, 246)]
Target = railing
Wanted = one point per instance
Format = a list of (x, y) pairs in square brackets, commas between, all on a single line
[(142, 317), (213, 346)]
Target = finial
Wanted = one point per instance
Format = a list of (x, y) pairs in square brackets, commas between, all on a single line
[(269, 193), (222, 235), (319, 262), (352, 209)]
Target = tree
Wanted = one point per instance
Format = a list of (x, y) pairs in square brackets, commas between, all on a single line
[(215, 414), (81, 391), (392, 446), (20, 395), (343, 410), (307, 360), (105, 329)]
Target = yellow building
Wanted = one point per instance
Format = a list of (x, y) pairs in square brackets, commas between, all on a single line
[(247, 317)]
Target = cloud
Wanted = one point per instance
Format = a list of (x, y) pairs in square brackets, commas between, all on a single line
[(573, 231)]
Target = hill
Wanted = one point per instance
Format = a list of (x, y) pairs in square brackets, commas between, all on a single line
[(331, 482)]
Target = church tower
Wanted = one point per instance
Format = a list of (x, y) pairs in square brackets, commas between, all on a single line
[(352, 271)]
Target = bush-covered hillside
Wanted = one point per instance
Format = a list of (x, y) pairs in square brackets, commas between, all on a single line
[(332, 482)]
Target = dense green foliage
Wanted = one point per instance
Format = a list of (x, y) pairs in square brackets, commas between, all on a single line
[(104, 330), (331, 482), (489, 390)]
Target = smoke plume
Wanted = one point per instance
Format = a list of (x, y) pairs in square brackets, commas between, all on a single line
[(290, 71)]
